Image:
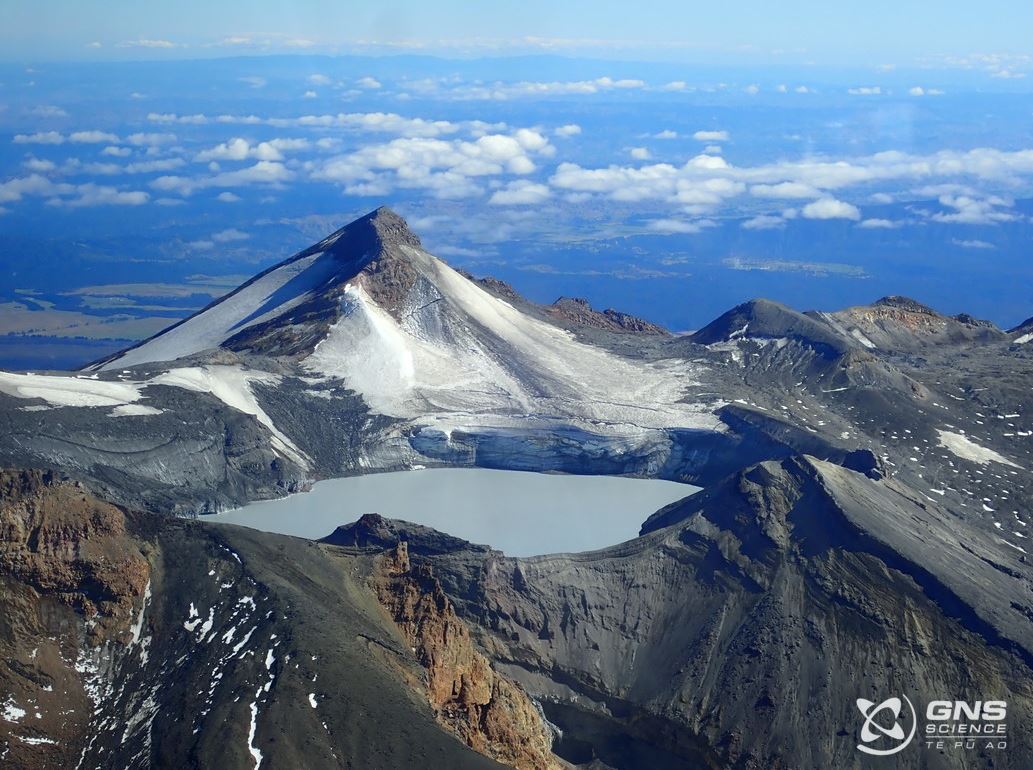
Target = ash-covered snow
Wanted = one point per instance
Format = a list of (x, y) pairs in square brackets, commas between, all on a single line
[(232, 386), (967, 449), (858, 335), (59, 390), (460, 354), (229, 384), (134, 410)]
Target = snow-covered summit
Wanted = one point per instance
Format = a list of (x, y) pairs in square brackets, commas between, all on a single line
[(287, 308)]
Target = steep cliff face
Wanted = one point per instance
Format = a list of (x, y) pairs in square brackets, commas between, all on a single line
[(132, 641), (65, 543), (489, 712), (71, 580)]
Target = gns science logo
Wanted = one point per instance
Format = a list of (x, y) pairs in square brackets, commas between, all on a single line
[(889, 727), (874, 732)]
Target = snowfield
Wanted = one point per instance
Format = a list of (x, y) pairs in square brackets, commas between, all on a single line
[(460, 354), (60, 390), (230, 384), (266, 297)]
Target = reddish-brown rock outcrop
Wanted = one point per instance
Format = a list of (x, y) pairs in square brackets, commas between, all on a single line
[(487, 711)]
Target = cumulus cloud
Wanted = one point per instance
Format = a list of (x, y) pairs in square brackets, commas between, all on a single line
[(65, 194), (385, 122), (520, 193), (39, 165), (229, 235), (445, 168), (150, 139), (830, 208), (707, 181), (971, 210), (711, 136), (35, 185), (764, 222), (876, 223), (785, 190), (198, 119), (666, 134), (700, 183), (570, 129), (40, 137), (526, 89), (241, 149), (92, 137), (368, 82), (865, 91), (640, 153), (675, 226), (227, 197), (116, 152), (98, 195), (48, 111), (264, 172), (319, 80), (972, 244), (148, 43)]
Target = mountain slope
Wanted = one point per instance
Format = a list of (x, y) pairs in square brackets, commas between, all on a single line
[(129, 641), (741, 628), (900, 324)]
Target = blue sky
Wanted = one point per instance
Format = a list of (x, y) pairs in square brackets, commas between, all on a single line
[(873, 33)]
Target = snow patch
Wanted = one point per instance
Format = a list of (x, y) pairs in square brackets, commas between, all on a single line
[(858, 335), (232, 386), (134, 410), (255, 753), (11, 711), (137, 628), (60, 390), (965, 448)]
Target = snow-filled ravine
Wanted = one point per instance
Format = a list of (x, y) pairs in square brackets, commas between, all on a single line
[(520, 513)]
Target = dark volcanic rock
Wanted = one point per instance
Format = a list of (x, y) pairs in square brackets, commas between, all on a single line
[(577, 311), (705, 641), (374, 531), (867, 462), (766, 319)]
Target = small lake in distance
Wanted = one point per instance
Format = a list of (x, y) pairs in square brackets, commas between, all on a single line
[(520, 513)]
